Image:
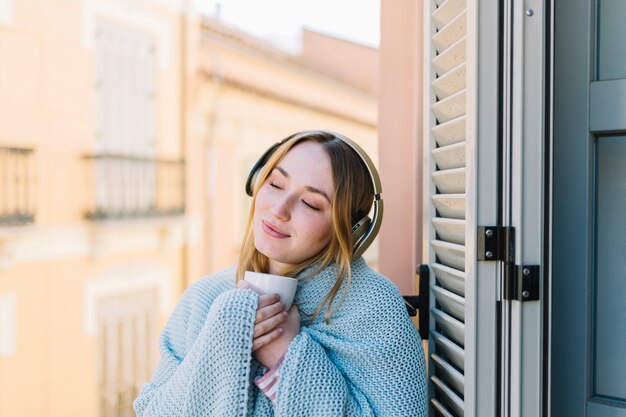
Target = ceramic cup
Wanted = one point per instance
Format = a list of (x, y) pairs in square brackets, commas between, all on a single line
[(285, 287)]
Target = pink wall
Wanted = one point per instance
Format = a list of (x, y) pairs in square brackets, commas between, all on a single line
[(354, 63), (400, 127)]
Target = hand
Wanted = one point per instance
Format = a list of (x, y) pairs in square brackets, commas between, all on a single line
[(270, 341)]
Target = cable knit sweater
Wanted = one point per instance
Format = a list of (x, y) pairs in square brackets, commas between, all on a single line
[(368, 361)]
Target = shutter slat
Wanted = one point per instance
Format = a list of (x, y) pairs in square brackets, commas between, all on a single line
[(447, 11), (450, 230), (448, 96), (450, 107), (450, 327), (450, 254), (453, 352), (453, 377), (450, 58), (450, 157), (450, 205), (449, 397), (450, 83), (450, 181), (450, 33), (450, 132), (450, 302), (450, 278), (440, 409)]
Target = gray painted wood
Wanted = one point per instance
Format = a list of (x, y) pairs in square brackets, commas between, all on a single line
[(588, 275), (609, 339), (611, 34), (608, 105)]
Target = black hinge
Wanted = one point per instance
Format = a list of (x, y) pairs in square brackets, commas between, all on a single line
[(497, 243), (521, 283)]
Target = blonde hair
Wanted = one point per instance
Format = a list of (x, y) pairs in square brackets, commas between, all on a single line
[(353, 198)]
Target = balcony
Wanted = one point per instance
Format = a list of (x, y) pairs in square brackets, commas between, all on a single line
[(17, 186), (126, 187)]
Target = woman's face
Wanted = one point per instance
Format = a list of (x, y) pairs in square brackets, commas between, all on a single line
[(292, 216)]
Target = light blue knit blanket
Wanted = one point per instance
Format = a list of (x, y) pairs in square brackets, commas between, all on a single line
[(367, 362)]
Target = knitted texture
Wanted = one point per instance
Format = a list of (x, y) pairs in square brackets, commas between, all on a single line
[(368, 361)]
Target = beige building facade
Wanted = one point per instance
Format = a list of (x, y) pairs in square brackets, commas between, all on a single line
[(126, 132)]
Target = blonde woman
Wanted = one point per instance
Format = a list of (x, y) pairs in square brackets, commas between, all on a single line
[(345, 348)]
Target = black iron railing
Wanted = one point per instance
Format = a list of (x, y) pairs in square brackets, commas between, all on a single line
[(17, 186), (121, 187)]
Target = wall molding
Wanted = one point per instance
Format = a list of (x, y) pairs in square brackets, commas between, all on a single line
[(96, 240)]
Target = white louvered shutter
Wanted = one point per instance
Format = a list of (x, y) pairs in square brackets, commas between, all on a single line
[(125, 117), (447, 205)]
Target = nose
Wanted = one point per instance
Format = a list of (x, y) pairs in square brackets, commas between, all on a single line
[(282, 209)]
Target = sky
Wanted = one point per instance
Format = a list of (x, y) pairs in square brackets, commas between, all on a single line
[(281, 21)]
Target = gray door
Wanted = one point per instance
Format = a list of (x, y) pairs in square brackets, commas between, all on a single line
[(588, 339)]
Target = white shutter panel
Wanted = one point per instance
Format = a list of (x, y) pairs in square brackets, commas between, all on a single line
[(447, 175), (125, 118)]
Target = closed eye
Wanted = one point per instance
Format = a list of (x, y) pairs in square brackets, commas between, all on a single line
[(274, 185), (310, 206)]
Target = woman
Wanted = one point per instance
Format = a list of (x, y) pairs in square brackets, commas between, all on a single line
[(345, 348)]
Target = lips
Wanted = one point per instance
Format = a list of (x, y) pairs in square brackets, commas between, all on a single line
[(273, 230)]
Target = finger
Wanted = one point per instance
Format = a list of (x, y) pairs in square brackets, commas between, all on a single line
[(243, 284), (269, 299), (270, 324), (266, 339), (266, 311)]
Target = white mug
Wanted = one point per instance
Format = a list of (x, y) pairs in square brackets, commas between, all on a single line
[(285, 287)]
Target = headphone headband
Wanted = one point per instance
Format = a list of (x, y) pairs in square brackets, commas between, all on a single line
[(363, 239)]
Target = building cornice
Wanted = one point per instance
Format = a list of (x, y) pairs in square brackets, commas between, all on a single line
[(267, 93), (215, 30)]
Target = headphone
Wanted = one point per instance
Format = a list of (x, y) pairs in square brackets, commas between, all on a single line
[(365, 230)]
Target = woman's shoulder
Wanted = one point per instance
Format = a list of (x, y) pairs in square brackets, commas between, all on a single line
[(369, 283)]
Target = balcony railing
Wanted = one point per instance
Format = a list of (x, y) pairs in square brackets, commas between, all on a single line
[(17, 186), (122, 187)]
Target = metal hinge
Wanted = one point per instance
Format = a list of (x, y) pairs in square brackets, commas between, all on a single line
[(497, 243), (521, 283)]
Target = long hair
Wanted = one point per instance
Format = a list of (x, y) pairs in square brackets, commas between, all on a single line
[(353, 198)]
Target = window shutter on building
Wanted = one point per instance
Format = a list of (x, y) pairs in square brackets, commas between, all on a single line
[(125, 117), (447, 127), (127, 336)]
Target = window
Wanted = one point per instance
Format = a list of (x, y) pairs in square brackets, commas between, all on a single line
[(6, 12), (127, 341), (124, 177), (8, 326)]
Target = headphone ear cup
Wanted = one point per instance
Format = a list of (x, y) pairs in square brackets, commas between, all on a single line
[(258, 166), (359, 229)]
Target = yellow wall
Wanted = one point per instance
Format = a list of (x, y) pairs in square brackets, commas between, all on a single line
[(57, 267)]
